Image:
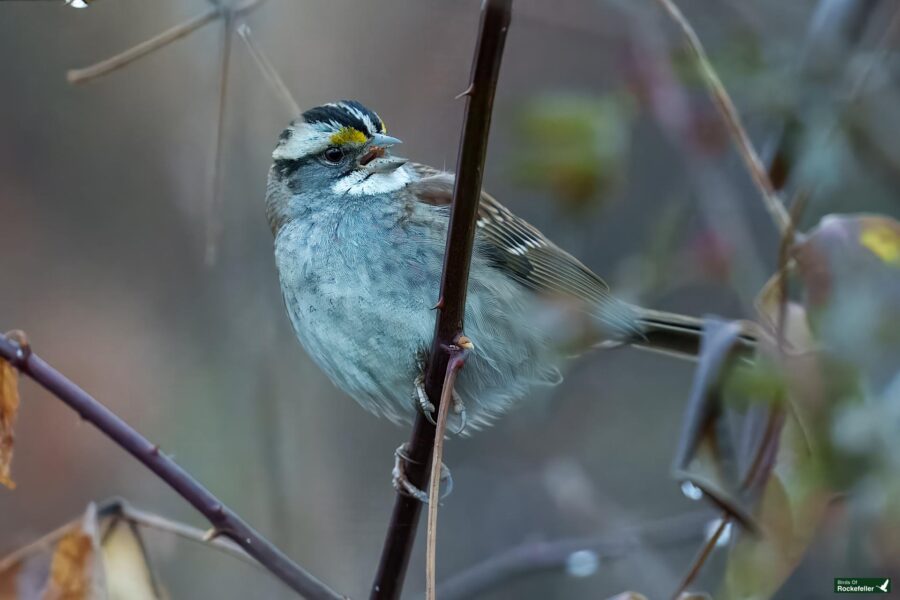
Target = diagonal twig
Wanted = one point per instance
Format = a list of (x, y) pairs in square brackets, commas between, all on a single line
[(161, 40), (268, 70), (727, 109), (495, 17), (225, 521), (184, 531)]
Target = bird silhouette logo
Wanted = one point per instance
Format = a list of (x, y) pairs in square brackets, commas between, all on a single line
[(884, 586)]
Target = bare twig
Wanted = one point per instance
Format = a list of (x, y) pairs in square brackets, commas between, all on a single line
[(223, 519), (534, 557), (268, 69), (732, 119), (701, 557), (85, 74), (193, 534), (495, 17), (214, 217), (456, 363)]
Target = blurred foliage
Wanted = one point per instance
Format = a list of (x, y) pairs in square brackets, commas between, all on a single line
[(576, 146), (827, 377)]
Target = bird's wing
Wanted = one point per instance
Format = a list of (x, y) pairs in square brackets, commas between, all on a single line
[(521, 251)]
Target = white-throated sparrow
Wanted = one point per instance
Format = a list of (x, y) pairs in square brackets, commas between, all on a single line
[(359, 244)]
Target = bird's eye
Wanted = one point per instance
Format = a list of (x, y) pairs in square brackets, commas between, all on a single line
[(334, 155)]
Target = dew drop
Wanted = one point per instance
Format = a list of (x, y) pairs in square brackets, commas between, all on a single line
[(691, 491), (582, 563)]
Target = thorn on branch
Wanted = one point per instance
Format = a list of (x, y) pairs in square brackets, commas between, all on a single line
[(466, 92)]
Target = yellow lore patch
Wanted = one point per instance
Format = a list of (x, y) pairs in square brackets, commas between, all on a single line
[(883, 241), (348, 135)]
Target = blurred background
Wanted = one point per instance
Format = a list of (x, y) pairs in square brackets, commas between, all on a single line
[(602, 136)]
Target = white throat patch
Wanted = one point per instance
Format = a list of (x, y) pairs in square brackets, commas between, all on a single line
[(360, 183)]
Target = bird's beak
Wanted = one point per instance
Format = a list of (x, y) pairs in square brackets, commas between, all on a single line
[(385, 141), (377, 160)]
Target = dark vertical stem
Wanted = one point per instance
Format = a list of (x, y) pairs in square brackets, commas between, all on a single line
[(224, 520), (495, 18)]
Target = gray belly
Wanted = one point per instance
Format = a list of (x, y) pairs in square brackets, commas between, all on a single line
[(368, 333)]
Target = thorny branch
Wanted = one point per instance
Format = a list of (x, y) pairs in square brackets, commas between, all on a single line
[(495, 18), (225, 522)]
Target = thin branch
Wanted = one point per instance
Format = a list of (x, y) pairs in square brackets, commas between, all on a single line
[(495, 17), (268, 70), (225, 521), (554, 555), (214, 217), (184, 531), (727, 109), (702, 556), (456, 363), (846, 21), (161, 40)]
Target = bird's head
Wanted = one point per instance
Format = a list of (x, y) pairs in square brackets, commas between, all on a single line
[(340, 148)]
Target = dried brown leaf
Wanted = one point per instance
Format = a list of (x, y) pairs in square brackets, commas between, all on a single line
[(9, 409), (72, 571), (129, 574)]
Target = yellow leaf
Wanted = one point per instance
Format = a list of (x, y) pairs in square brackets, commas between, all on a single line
[(882, 239), (129, 574), (9, 408), (72, 568)]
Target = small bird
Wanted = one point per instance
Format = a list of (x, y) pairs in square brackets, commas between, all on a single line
[(359, 245)]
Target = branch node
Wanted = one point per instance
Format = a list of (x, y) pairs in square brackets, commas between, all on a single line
[(212, 533)]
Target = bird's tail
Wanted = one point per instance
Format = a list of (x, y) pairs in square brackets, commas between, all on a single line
[(671, 333)]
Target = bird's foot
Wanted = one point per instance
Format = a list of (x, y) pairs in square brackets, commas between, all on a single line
[(428, 408), (402, 483), (425, 404)]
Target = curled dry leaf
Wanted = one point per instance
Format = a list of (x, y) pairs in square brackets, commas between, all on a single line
[(9, 409), (71, 571), (707, 455), (75, 572)]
